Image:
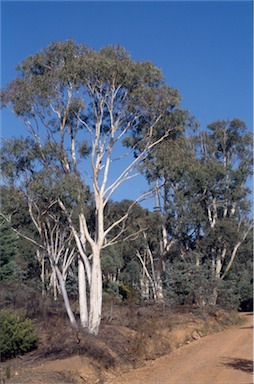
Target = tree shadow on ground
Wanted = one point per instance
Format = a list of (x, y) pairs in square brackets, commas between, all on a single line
[(241, 364)]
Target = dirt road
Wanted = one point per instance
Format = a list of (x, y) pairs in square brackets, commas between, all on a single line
[(223, 358)]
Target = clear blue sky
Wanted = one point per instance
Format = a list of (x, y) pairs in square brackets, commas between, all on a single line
[(204, 48)]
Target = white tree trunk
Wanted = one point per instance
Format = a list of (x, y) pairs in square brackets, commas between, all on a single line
[(214, 296), (159, 297), (41, 260), (217, 264), (95, 293), (66, 298), (54, 283), (83, 310), (231, 259), (144, 286)]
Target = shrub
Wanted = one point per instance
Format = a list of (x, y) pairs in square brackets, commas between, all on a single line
[(17, 333), (111, 291)]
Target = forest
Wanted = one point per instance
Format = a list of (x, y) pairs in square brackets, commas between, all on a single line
[(93, 121)]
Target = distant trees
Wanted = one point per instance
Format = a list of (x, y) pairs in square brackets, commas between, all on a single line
[(226, 161), (205, 199), (78, 106), (8, 252)]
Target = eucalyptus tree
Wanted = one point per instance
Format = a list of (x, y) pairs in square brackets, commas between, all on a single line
[(43, 225), (83, 104), (140, 248), (205, 205), (126, 236), (225, 155), (167, 169), (12, 205)]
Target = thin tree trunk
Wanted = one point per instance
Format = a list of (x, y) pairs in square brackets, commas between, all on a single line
[(144, 286), (66, 298), (54, 283), (231, 259), (159, 297), (214, 296), (41, 260)]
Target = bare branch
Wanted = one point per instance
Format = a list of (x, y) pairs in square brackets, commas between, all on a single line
[(23, 235), (125, 216), (131, 237), (77, 240), (125, 174), (144, 266)]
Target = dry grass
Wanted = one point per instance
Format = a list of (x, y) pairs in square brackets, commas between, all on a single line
[(133, 335)]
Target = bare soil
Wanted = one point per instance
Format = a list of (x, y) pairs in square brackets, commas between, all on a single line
[(223, 358), (140, 345)]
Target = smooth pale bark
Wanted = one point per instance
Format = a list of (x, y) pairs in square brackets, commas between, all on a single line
[(41, 260), (82, 294), (144, 286), (214, 296), (95, 294), (83, 273), (232, 258), (66, 298), (217, 263), (150, 280), (54, 283), (159, 297)]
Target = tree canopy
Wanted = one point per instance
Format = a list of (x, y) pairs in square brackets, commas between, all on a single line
[(96, 119)]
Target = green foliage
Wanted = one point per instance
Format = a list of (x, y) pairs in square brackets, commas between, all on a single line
[(8, 244), (131, 273), (111, 261), (111, 291), (72, 286), (187, 283), (237, 289), (8, 271), (127, 292), (8, 253), (240, 277), (19, 269), (17, 333), (229, 294)]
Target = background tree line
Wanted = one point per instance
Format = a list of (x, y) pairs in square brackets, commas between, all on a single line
[(63, 235)]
